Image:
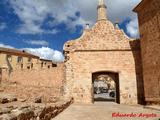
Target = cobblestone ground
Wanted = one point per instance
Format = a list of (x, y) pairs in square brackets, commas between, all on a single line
[(104, 111)]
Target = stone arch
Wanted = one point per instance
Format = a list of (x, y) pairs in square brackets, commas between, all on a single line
[(110, 79)]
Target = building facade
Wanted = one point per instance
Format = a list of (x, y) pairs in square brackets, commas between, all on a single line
[(15, 63), (13, 59), (149, 23), (103, 50)]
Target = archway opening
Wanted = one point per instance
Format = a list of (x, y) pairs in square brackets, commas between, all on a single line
[(105, 87)]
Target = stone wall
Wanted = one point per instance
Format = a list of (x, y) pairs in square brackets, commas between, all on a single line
[(29, 84), (149, 22), (121, 62), (107, 49)]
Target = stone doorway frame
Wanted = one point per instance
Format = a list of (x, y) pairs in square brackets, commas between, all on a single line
[(117, 99)]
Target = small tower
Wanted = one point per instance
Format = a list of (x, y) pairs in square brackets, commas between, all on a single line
[(102, 12)]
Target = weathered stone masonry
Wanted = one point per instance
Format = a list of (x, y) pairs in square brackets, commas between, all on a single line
[(149, 22), (103, 48), (29, 77), (31, 84)]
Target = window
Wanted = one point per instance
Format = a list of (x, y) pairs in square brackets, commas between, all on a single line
[(54, 65), (42, 65), (32, 65), (28, 67), (29, 59), (19, 59), (9, 58)]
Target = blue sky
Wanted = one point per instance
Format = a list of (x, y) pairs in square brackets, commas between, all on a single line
[(33, 24)]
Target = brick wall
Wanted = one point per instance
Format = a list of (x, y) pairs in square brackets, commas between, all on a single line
[(34, 83), (149, 22)]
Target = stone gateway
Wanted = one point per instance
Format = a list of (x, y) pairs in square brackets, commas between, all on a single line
[(103, 49)]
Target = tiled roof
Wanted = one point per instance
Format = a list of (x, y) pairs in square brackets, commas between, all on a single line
[(17, 52)]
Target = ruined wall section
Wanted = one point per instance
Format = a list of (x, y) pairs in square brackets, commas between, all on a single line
[(34, 83)]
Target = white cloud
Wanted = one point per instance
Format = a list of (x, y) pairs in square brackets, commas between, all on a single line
[(2, 26), (132, 28), (29, 28), (46, 53), (34, 12), (58, 56), (5, 46), (36, 42)]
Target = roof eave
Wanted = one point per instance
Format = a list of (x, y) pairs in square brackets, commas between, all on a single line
[(17, 52)]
